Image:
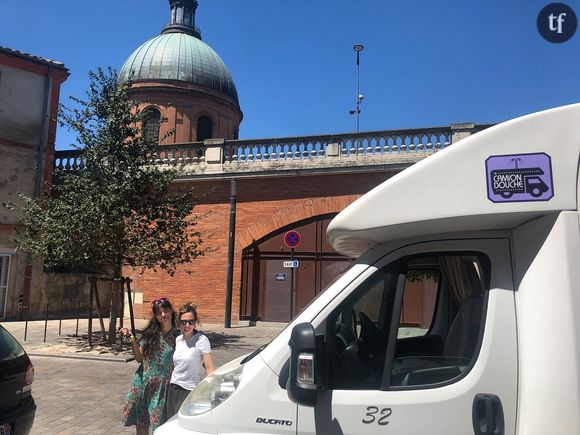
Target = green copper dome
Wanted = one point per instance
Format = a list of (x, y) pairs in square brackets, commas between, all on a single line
[(179, 56)]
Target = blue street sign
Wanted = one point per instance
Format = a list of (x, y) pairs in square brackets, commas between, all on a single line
[(292, 264)]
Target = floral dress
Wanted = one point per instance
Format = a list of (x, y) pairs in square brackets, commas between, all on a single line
[(145, 403)]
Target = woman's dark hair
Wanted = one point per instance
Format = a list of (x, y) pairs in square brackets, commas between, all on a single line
[(152, 333)]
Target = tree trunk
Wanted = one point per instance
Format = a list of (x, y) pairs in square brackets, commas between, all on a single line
[(115, 292)]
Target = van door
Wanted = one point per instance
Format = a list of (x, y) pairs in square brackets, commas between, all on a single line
[(425, 345)]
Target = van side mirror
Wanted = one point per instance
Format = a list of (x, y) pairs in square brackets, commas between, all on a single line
[(303, 383)]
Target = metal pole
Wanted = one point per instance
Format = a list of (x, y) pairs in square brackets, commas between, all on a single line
[(292, 296), (357, 89), (60, 318), (26, 323), (78, 315), (358, 97), (90, 325), (231, 246), (45, 323)]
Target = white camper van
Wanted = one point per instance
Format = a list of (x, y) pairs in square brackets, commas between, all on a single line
[(484, 238)]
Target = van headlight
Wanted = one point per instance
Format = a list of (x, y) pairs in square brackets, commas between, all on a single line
[(212, 391)]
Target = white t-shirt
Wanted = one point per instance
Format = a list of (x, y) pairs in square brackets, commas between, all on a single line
[(187, 360)]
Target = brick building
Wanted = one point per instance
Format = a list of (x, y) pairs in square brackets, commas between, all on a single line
[(29, 96), (280, 184), (186, 87)]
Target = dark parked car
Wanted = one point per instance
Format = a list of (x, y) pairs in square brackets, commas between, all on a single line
[(17, 407)]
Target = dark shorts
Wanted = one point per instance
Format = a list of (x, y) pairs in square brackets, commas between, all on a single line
[(175, 397)]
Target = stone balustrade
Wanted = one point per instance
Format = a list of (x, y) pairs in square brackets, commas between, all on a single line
[(301, 154)]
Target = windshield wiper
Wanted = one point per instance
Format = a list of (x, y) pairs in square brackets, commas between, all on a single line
[(254, 353)]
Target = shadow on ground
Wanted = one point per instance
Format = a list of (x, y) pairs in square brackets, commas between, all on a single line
[(220, 340), (100, 346)]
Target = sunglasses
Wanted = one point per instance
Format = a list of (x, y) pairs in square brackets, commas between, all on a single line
[(159, 301), (187, 322)]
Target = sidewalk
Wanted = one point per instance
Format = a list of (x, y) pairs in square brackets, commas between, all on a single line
[(226, 343)]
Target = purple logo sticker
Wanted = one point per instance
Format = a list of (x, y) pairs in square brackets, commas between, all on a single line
[(519, 177)]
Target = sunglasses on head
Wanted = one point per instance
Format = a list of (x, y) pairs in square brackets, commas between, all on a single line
[(187, 322), (159, 301)]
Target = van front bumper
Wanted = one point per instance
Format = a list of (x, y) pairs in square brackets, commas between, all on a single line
[(172, 427)]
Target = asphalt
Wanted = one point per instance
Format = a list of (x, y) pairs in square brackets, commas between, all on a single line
[(81, 389), (67, 339)]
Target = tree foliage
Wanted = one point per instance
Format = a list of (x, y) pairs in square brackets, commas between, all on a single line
[(119, 209)]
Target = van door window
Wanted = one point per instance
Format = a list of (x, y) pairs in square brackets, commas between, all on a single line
[(358, 333), (419, 299), (440, 322)]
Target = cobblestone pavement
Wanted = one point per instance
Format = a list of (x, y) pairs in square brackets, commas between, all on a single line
[(79, 396), (81, 390)]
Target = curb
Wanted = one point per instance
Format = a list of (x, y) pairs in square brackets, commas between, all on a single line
[(121, 359)]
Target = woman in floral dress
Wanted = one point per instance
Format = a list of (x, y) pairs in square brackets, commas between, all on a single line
[(145, 404)]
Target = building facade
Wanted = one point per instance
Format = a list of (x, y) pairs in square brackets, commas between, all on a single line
[(29, 96), (276, 184)]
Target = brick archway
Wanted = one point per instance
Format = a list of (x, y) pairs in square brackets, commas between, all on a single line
[(285, 216)]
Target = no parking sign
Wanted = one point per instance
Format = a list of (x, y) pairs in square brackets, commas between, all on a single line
[(292, 239)]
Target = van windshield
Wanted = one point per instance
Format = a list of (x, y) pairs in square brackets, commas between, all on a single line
[(327, 286), (336, 278)]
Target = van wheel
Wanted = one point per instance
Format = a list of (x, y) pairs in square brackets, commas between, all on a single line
[(506, 194), (536, 192)]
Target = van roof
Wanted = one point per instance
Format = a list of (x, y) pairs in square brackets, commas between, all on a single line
[(495, 179)]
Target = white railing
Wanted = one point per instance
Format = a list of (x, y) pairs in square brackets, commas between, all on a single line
[(320, 150)]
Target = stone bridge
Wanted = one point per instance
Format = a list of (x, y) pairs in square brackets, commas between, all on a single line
[(282, 183)]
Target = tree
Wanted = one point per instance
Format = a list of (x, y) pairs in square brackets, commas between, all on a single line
[(119, 209)]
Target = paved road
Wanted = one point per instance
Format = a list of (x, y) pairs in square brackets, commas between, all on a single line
[(77, 396), (83, 396)]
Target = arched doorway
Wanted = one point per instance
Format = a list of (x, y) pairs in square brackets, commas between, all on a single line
[(266, 284)]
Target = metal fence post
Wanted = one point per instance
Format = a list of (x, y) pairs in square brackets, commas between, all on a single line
[(90, 325), (25, 322), (60, 318), (78, 315), (45, 323)]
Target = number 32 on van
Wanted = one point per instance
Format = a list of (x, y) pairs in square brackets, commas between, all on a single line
[(377, 415)]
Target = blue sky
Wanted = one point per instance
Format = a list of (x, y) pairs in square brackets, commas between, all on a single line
[(425, 63)]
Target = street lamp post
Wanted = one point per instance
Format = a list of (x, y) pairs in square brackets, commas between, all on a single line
[(359, 97)]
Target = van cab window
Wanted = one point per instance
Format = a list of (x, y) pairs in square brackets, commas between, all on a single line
[(438, 301)]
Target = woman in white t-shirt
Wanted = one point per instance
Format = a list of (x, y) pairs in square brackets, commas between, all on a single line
[(192, 353)]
